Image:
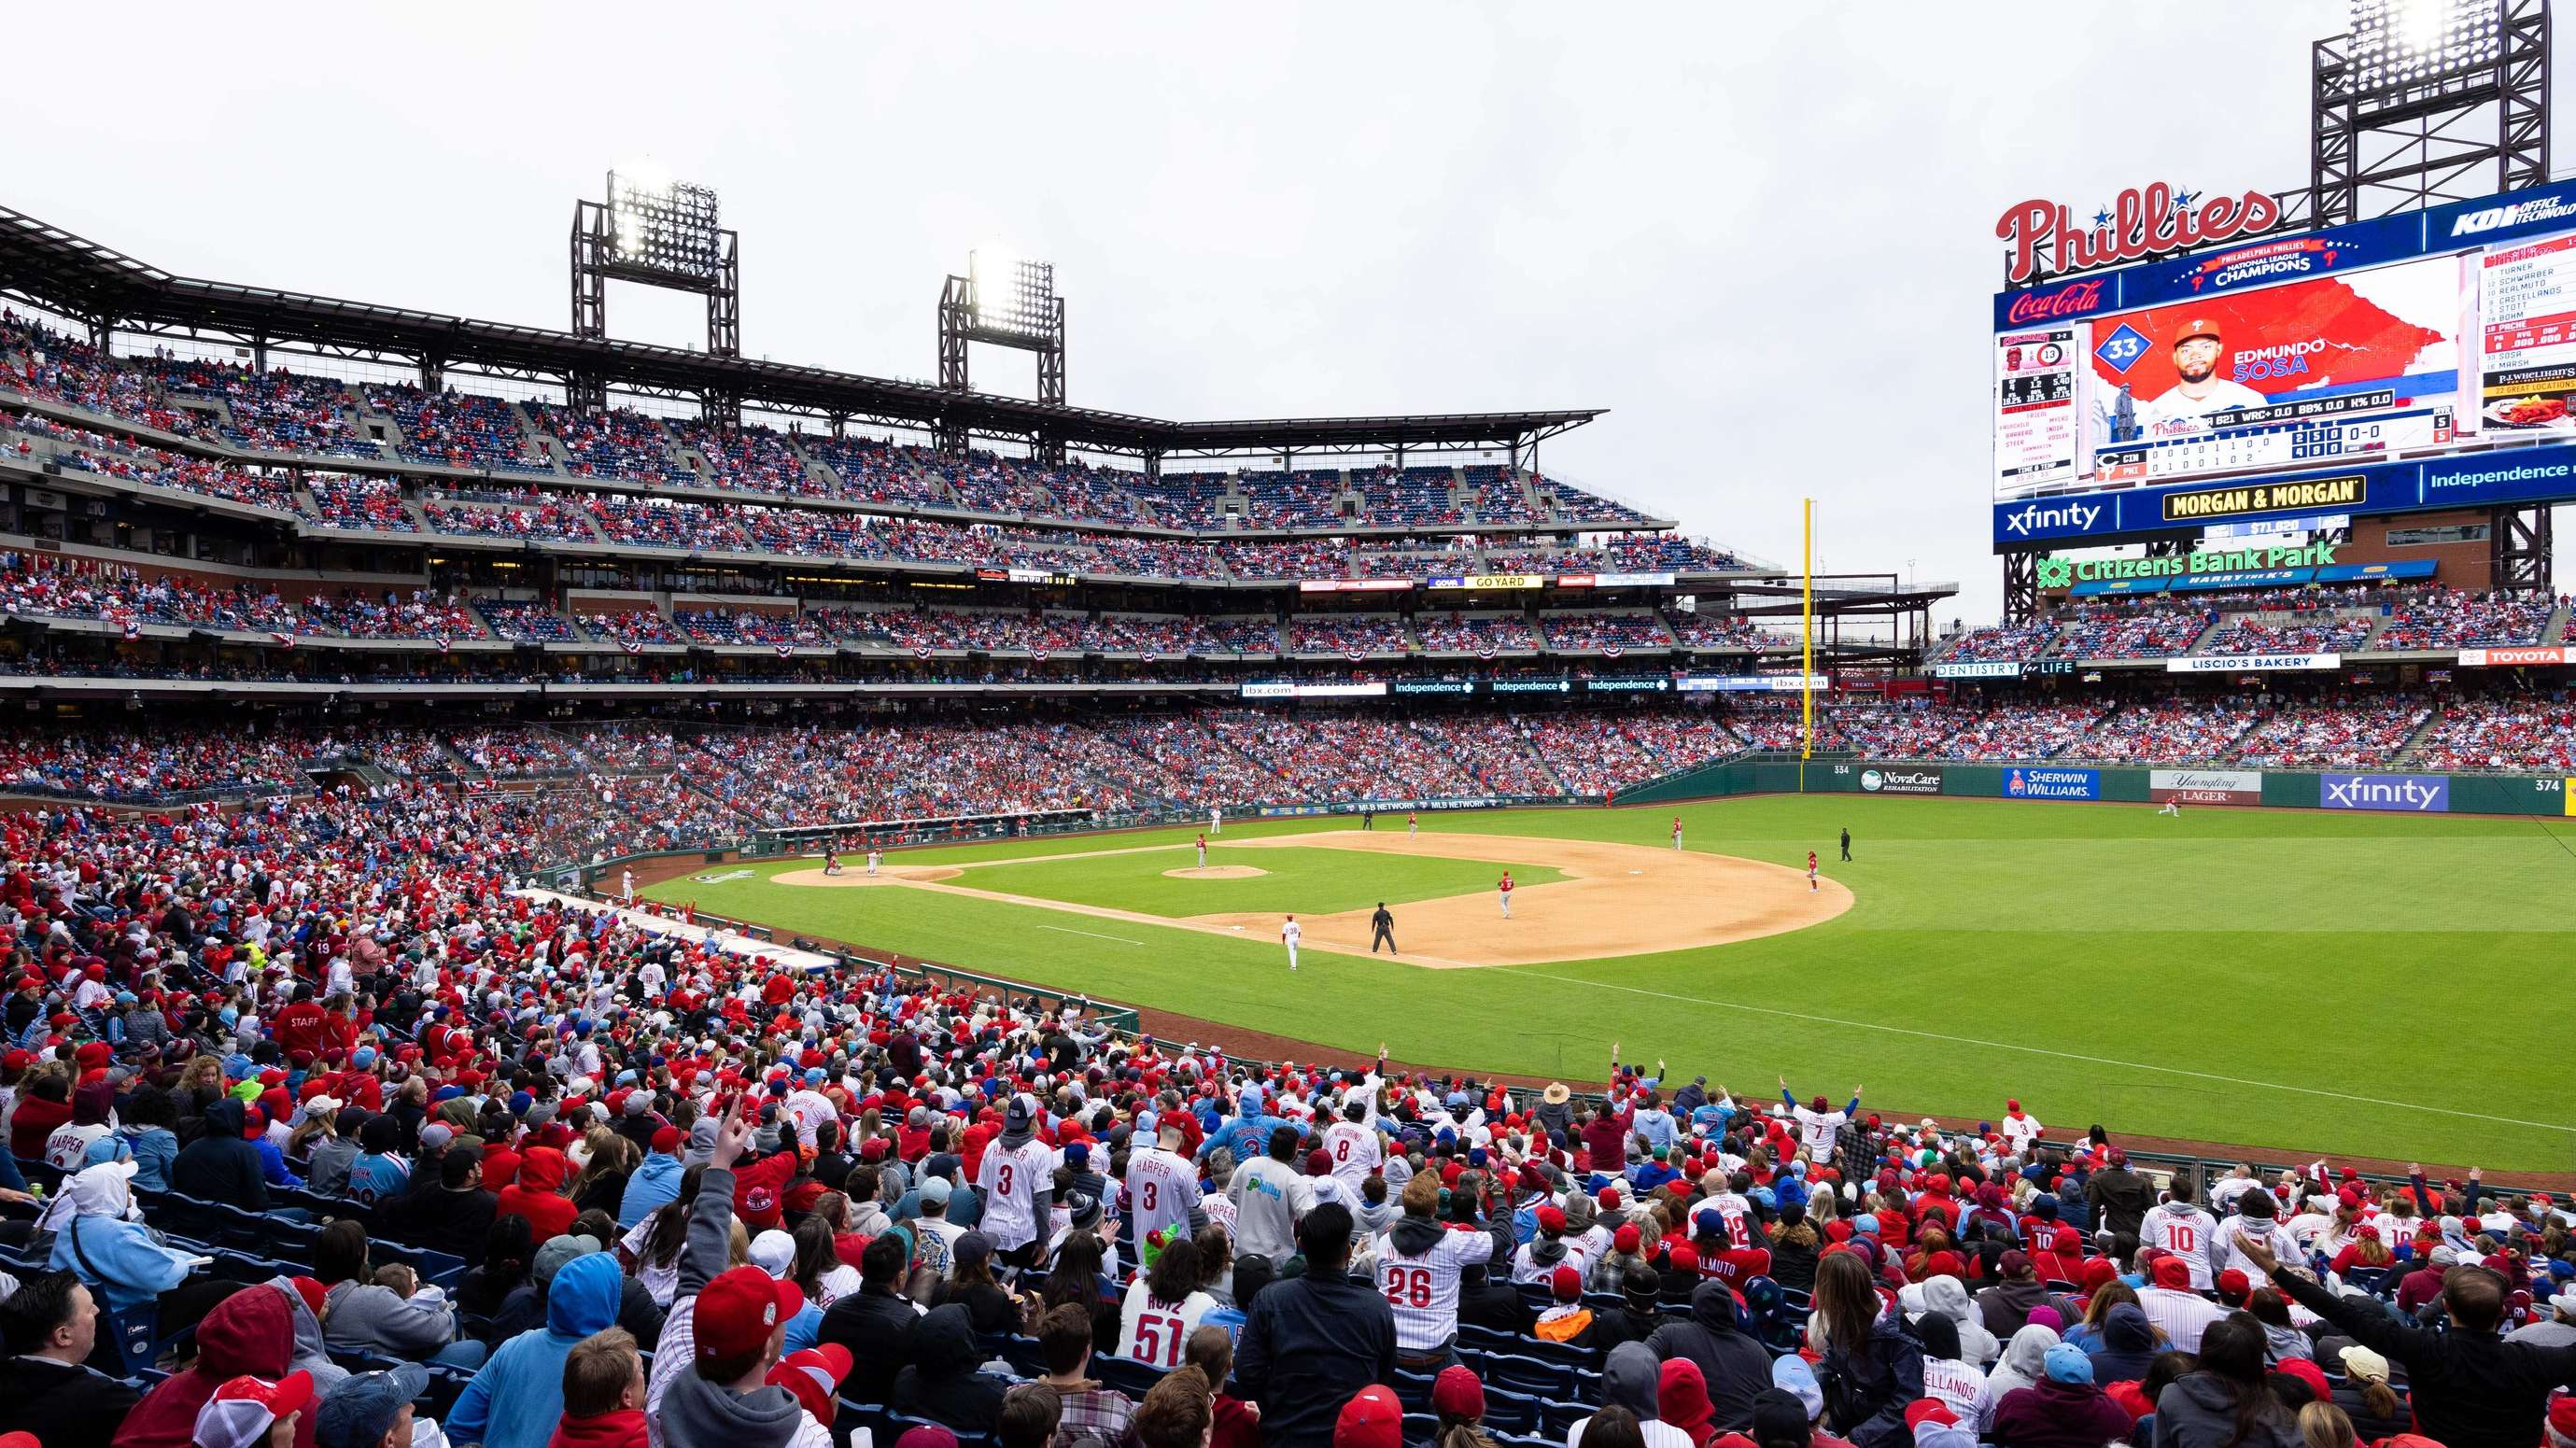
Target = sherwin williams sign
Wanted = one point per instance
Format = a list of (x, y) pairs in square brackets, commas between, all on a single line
[(2412, 793), (2053, 783)]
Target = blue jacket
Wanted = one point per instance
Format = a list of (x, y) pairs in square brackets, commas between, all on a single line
[(654, 1184), (154, 1148), (119, 1260), (515, 1401), (1247, 1135)]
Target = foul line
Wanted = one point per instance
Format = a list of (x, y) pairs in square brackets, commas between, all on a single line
[(1096, 935), (2028, 1050)]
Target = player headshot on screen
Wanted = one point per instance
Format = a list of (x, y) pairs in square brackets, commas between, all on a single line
[(2200, 391)]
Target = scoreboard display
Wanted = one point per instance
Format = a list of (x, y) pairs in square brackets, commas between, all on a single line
[(2430, 358)]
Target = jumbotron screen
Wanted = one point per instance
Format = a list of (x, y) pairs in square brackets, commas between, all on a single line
[(2417, 361)]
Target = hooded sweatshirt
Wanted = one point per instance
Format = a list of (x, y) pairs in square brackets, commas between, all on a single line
[(2050, 1414), (2025, 1363), (247, 1333), (1733, 1365), (310, 1355), (1630, 1378), (944, 1380), (515, 1401), (2128, 1345), (2198, 1410), (617, 1428), (219, 1166), (697, 1413), (1948, 1296), (537, 1193)]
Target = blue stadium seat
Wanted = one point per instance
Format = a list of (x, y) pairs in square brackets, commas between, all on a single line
[(1507, 1411)]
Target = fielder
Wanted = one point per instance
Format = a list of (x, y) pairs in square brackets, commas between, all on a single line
[(1216, 820), (1811, 872), (1202, 852), (2172, 807), (626, 886), (1289, 934), (876, 856), (1677, 832), (1503, 888), (1412, 825)]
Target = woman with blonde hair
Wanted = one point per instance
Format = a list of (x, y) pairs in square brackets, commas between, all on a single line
[(2324, 1425)]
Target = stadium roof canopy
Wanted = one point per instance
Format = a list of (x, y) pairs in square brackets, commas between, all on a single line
[(72, 274)]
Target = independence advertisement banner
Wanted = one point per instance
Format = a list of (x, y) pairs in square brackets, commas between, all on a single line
[(1896, 780), (2414, 793), (2205, 786), (2053, 783)]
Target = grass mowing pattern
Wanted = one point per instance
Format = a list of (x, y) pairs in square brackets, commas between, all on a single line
[(1306, 881), (2406, 960)]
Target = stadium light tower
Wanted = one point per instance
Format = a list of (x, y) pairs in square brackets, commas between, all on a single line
[(658, 232), (2425, 102), (1005, 301)]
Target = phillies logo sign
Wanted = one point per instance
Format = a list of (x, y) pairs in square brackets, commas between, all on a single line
[(2140, 223)]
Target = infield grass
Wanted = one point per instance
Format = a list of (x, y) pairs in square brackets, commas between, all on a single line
[(2351, 984), (1307, 881)]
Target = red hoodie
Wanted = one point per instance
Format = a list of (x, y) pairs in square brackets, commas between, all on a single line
[(616, 1428), (537, 1193), (247, 1333)]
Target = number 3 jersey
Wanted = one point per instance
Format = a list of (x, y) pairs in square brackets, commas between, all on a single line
[(1011, 1178), (1421, 1284)]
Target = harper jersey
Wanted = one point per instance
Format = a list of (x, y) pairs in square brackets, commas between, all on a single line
[(1010, 1178), (1161, 1189), (1423, 1289)]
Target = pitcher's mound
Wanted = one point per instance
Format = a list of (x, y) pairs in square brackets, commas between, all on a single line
[(856, 875), (1216, 872)]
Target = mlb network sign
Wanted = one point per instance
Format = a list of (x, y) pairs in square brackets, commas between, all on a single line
[(2053, 783), (2416, 793)]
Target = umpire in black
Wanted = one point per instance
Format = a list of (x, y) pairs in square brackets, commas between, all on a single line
[(1382, 928)]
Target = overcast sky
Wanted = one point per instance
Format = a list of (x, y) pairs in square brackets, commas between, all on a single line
[(1761, 235)]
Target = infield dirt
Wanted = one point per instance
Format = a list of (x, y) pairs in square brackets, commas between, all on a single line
[(1615, 900)]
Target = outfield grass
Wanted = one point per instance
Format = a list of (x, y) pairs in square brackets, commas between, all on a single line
[(2357, 984), (1307, 881)]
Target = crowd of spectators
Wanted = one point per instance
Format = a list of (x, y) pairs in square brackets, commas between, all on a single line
[(457, 429), (2438, 618), (736, 627), (375, 504), (1475, 633), (554, 520), (2131, 628), (525, 621), (274, 411), (1608, 633), (749, 457), (2515, 732), (2334, 734), (2313, 633), (631, 627), (2169, 731), (616, 442), (1353, 637)]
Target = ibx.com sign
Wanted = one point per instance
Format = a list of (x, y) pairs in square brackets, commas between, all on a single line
[(2420, 793)]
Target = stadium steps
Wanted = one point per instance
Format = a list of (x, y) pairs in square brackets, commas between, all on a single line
[(2405, 753), (2556, 631)]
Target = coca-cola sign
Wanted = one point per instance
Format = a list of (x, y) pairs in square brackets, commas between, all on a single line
[(2072, 300), (2140, 223)]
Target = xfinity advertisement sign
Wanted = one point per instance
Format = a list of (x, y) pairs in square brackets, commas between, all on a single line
[(2418, 793), (1892, 780)]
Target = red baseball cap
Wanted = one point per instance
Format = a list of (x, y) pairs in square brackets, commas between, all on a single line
[(1458, 1392), (813, 1377), (739, 1310), (1929, 1410), (1371, 1419), (1551, 1219), (241, 1412)]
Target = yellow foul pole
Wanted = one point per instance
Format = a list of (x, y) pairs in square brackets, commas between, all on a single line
[(1807, 644)]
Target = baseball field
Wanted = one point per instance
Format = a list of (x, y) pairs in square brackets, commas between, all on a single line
[(2370, 985)]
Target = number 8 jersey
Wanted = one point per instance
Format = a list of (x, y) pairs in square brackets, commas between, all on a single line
[(1422, 1284)]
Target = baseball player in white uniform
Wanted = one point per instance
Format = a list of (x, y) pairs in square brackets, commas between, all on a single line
[(626, 885), (1216, 820), (1289, 934), (875, 857)]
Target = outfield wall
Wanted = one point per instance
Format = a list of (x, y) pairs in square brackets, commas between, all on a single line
[(2552, 795)]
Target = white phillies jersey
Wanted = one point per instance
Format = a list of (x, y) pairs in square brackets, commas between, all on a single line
[(1737, 1214), (1290, 931), (1423, 1290), (2187, 1232), (1354, 1152), (1161, 1189), (1157, 1333), (1010, 1179), (1818, 1129), (2019, 1131)]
